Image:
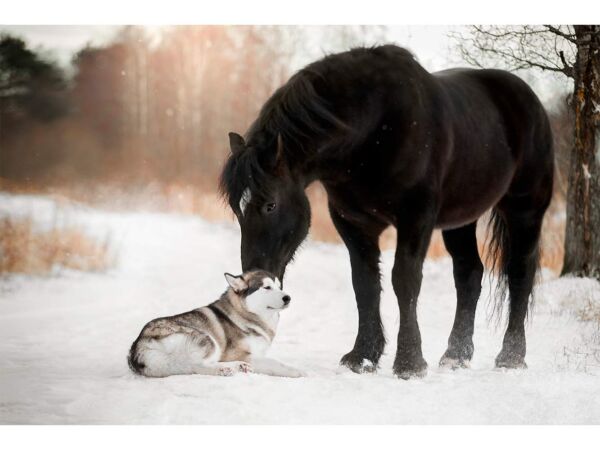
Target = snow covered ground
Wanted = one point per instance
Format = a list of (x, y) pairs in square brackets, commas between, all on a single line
[(64, 339)]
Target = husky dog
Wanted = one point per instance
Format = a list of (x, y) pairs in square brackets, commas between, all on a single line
[(230, 335)]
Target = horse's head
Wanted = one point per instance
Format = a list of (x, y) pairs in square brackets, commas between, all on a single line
[(269, 202)]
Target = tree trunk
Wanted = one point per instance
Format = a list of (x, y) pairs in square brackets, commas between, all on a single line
[(582, 237)]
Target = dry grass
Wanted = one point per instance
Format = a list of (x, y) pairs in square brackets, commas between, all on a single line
[(187, 199), (23, 249), (590, 312), (205, 202), (553, 237)]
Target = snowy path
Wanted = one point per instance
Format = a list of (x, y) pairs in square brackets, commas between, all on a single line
[(63, 340)]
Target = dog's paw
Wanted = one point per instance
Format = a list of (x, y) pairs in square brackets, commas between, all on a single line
[(231, 368), (244, 367), (225, 371)]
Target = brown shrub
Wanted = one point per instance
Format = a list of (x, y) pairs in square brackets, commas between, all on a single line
[(23, 249), (185, 198)]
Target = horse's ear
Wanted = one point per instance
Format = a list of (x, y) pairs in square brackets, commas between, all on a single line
[(236, 142)]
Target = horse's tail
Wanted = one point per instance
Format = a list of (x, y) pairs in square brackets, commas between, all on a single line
[(497, 260)]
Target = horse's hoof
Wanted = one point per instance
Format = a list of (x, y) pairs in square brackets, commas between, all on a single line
[(457, 357), (407, 371), (510, 360), (454, 363), (411, 374), (510, 363), (358, 364)]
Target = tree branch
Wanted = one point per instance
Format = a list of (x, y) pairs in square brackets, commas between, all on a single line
[(568, 37), (567, 67), (541, 47)]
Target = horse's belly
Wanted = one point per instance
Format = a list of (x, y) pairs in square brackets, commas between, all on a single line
[(459, 216), (465, 204)]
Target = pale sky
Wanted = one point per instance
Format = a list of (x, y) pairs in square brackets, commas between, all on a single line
[(431, 45)]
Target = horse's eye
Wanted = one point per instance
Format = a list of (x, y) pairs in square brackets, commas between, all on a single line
[(270, 207), (268, 287)]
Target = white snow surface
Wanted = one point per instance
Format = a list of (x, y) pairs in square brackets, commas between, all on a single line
[(64, 339)]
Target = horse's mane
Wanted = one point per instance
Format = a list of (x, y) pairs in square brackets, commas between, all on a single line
[(297, 112), (299, 115)]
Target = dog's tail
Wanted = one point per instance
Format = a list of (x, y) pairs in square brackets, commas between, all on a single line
[(134, 361)]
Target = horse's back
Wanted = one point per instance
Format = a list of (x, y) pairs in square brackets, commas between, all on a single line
[(502, 142), (528, 131), (523, 117)]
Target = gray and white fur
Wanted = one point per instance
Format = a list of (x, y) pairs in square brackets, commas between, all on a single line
[(230, 335)]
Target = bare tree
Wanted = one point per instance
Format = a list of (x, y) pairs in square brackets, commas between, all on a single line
[(572, 51), (145, 107)]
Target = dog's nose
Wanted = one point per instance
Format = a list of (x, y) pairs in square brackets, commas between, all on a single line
[(286, 299)]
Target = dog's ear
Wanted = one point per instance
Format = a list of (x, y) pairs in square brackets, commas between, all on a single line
[(237, 283)]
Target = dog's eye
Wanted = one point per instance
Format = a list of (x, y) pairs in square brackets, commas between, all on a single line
[(268, 287)]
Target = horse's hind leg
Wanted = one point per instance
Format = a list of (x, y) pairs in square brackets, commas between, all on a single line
[(521, 255), (461, 243)]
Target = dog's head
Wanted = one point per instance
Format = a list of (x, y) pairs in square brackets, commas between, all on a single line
[(259, 291)]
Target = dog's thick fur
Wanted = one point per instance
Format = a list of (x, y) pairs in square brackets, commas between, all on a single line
[(230, 335)]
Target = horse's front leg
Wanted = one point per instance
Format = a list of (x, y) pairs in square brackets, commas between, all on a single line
[(362, 242), (415, 225)]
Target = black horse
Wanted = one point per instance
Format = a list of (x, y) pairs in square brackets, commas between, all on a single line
[(396, 145)]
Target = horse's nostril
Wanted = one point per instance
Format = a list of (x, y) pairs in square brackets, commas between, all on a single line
[(286, 299)]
